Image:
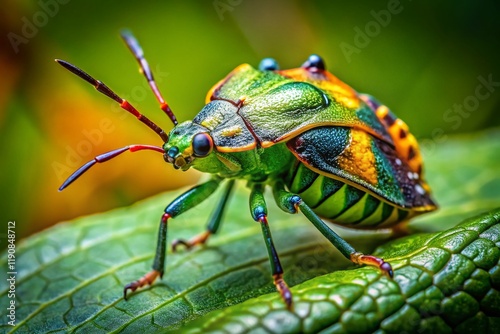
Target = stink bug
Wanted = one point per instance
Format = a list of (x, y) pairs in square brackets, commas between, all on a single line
[(324, 149)]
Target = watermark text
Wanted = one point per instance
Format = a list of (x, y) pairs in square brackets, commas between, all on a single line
[(11, 272), (31, 26)]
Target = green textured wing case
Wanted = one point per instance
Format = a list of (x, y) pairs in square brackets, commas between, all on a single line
[(277, 108), (366, 162)]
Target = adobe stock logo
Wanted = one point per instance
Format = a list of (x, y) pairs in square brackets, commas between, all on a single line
[(222, 6), (363, 37), (30, 28), (460, 111)]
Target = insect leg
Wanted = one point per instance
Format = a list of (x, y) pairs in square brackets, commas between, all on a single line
[(292, 203), (258, 209), (181, 204), (213, 224)]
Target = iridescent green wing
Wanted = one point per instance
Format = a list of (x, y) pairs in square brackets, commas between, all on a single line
[(279, 106)]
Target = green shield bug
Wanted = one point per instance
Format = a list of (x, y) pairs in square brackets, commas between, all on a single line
[(325, 150)]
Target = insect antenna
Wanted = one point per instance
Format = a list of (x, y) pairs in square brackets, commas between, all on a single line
[(136, 50), (124, 104), (105, 157)]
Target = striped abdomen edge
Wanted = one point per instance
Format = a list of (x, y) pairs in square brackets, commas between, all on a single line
[(341, 203)]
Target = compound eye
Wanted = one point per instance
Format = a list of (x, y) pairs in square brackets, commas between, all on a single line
[(202, 145)]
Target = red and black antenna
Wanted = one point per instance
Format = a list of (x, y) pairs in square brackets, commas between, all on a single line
[(134, 46), (136, 49), (124, 104)]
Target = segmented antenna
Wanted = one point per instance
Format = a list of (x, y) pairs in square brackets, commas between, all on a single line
[(136, 49), (124, 104), (105, 157)]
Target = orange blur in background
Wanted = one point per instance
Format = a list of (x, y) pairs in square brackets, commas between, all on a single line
[(52, 122)]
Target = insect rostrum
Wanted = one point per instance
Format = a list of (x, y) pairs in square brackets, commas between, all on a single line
[(324, 149)]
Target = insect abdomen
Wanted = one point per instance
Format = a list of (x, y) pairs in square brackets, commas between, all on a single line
[(342, 203)]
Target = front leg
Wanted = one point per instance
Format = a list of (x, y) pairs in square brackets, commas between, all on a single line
[(181, 204), (213, 224)]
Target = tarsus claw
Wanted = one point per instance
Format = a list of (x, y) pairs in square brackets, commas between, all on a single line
[(148, 279), (196, 240), (387, 268), (178, 242), (284, 290), (360, 258)]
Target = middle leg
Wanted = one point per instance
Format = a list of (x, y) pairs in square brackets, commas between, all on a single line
[(258, 209)]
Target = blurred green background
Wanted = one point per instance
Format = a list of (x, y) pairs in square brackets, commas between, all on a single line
[(424, 60)]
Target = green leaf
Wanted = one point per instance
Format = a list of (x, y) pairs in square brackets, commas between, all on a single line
[(443, 282), (70, 277)]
